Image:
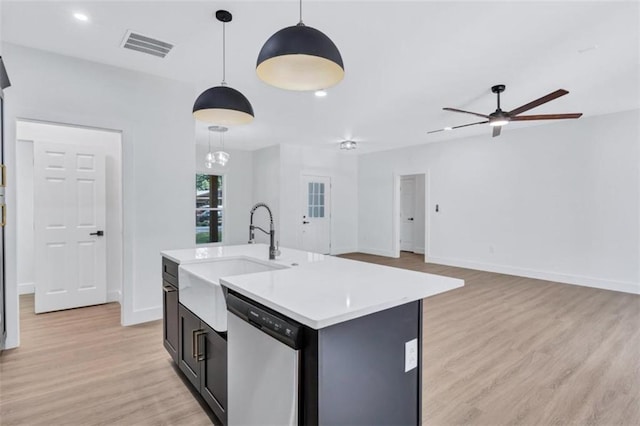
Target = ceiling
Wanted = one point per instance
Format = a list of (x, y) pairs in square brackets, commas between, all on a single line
[(404, 61)]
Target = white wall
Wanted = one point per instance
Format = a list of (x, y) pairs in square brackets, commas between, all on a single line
[(24, 217), (266, 189), (558, 201), (154, 115), (342, 167), (238, 196), (276, 181), (28, 132)]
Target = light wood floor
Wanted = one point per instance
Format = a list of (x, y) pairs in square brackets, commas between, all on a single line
[(80, 367), (502, 350), (508, 350)]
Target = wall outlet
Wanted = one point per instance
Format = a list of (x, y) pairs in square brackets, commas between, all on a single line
[(410, 355)]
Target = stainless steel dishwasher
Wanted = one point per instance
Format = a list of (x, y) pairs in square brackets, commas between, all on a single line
[(263, 365)]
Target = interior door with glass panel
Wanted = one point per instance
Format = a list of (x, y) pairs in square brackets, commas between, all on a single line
[(315, 227), (69, 223)]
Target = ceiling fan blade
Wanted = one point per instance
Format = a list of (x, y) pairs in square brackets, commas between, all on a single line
[(457, 127), (496, 130), (466, 112), (543, 100), (546, 117), (470, 124)]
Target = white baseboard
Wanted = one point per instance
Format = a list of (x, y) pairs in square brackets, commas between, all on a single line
[(114, 296), (419, 250), (26, 288), (377, 252), (30, 288), (144, 315), (622, 286), (342, 250)]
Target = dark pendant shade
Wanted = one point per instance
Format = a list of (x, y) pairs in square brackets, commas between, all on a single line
[(4, 78), (300, 58), (223, 105)]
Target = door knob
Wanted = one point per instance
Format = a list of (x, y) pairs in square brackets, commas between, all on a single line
[(304, 222), (411, 219), (98, 233)]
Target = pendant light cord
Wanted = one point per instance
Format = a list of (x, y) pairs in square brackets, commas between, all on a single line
[(224, 54), (209, 141), (300, 23)]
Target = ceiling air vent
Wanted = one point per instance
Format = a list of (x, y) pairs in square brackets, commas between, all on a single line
[(144, 44)]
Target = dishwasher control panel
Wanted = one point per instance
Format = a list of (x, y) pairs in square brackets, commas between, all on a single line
[(279, 327), (271, 322)]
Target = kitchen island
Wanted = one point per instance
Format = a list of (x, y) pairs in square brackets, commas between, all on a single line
[(312, 339)]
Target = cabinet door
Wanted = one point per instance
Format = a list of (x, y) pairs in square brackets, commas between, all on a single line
[(213, 386), (170, 319), (189, 331)]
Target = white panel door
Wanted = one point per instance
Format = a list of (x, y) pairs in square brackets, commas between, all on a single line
[(407, 212), (69, 221), (315, 227)]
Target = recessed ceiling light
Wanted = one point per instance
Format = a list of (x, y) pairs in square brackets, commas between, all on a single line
[(81, 16), (321, 93)]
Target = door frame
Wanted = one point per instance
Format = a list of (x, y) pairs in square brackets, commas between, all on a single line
[(413, 179), (118, 246), (395, 227)]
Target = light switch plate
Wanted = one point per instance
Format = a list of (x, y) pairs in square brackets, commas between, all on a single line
[(410, 355)]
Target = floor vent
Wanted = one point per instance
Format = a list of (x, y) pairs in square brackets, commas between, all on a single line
[(144, 44)]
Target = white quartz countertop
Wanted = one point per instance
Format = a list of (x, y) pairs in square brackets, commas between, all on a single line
[(319, 291), (251, 251)]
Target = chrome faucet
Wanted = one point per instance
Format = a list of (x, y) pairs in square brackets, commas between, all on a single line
[(273, 251)]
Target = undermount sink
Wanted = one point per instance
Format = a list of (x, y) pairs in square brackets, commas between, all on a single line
[(200, 289)]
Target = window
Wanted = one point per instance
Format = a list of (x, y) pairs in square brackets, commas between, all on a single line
[(209, 209), (316, 199)]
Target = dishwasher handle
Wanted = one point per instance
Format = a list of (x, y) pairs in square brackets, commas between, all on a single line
[(269, 322)]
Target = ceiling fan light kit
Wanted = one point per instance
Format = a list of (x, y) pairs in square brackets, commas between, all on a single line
[(223, 104), (500, 118), (300, 58)]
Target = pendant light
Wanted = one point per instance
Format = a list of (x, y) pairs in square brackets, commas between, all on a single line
[(223, 104), (300, 58), (219, 157)]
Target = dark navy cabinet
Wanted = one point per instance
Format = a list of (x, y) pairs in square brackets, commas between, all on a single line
[(202, 357), (199, 351)]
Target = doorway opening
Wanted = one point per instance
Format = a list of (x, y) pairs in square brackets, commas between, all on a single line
[(70, 216), (411, 222)]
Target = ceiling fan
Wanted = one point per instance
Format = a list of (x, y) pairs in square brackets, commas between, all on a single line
[(499, 118)]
